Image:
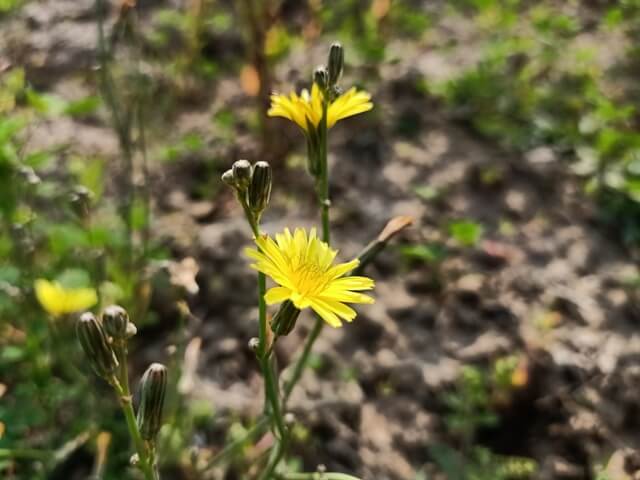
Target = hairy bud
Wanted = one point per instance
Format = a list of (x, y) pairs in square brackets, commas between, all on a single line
[(227, 177), (260, 188), (115, 321), (153, 387), (96, 346), (336, 63), (285, 318), (321, 77), (241, 170)]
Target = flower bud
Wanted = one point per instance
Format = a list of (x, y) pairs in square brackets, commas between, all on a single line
[(260, 188), (321, 77), (336, 63), (96, 346), (227, 177), (254, 343), (241, 171), (115, 321), (285, 318), (153, 386)]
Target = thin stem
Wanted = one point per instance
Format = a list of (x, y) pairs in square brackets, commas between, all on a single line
[(262, 315), (325, 204), (271, 386), (272, 390), (127, 408), (121, 385), (324, 200)]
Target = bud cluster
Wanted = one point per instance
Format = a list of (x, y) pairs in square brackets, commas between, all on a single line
[(327, 77), (252, 184), (101, 339), (104, 343)]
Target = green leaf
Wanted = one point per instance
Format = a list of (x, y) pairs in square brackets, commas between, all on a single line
[(466, 232), (45, 103), (83, 107), (428, 253)]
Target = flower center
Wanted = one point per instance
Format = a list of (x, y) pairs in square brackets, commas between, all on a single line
[(309, 278)]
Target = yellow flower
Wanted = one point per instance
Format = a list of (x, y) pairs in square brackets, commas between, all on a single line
[(302, 266), (58, 300), (304, 107)]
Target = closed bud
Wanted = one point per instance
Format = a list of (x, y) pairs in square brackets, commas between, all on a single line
[(336, 63), (241, 170), (254, 343), (260, 188), (96, 346), (80, 199), (153, 387), (227, 177), (115, 321), (321, 77), (285, 318)]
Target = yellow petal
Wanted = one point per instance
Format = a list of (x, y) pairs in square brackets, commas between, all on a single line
[(325, 313), (342, 268), (78, 299), (57, 300), (353, 283), (277, 295), (50, 296)]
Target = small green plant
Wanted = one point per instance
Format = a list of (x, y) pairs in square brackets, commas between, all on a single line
[(466, 232), (472, 407)]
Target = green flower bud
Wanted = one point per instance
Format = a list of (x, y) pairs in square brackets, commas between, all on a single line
[(285, 318), (153, 387), (321, 77), (336, 63), (260, 188), (241, 170), (227, 177), (115, 321), (96, 346)]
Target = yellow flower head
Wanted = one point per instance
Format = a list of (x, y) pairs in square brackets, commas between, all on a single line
[(58, 300), (305, 108), (303, 267)]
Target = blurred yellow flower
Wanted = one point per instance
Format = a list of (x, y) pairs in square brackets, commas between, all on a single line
[(302, 265), (58, 300), (305, 109)]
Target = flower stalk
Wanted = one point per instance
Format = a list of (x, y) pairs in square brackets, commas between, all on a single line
[(105, 345)]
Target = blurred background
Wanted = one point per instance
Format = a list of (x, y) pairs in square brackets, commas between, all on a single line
[(503, 343)]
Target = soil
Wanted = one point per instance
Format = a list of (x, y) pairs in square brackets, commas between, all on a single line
[(375, 403)]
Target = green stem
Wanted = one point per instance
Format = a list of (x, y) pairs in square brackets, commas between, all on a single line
[(272, 390), (325, 204), (146, 463), (271, 386), (134, 433), (262, 315), (317, 476)]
